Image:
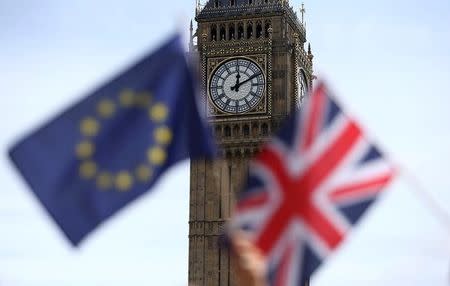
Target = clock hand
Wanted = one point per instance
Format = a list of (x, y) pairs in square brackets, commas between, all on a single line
[(238, 84)]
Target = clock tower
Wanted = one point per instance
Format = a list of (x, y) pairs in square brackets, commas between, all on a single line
[(255, 69)]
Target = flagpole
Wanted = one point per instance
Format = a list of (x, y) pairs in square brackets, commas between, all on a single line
[(427, 198)]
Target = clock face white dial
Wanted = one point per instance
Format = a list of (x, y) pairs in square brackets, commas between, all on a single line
[(237, 86)]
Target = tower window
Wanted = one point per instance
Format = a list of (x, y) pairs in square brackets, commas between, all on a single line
[(213, 33), (255, 130), (259, 30), (265, 129), (227, 131), (249, 30), (240, 31), (222, 33), (218, 131), (216, 3), (246, 130), (236, 130), (267, 29), (232, 2), (231, 32), (250, 2)]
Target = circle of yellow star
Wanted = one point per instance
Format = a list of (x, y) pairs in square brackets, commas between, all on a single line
[(126, 98), (89, 126), (104, 181), (88, 169), (143, 173), (85, 149), (158, 112), (143, 99), (163, 135), (106, 108), (156, 155), (124, 181)]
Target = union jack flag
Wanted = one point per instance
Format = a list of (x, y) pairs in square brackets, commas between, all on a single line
[(307, 188)]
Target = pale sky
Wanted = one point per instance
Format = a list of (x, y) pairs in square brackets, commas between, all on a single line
[(388, 61)]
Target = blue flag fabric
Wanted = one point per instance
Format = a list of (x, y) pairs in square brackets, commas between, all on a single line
[(112, 147)]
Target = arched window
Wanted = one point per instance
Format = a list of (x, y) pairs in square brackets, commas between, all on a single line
[(216, 3), (255, 130), (232, 2), (227, 131), (249, 30), (240, 31), (246, 130), (265, 129), (259, 30), (266, 29), (250, 2), (222, 33), (236, 130), (231, 32), (218, 131), (213, 36)]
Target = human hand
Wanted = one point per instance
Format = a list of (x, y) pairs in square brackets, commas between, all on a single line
[(251, 267)]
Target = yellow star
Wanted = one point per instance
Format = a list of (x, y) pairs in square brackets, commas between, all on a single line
[(124, 181), (163, 135), (85, 150), (104, 181), (89, 126), (156, 155), (88, 169), (158, 112), (126, 98), (143, 99), (143, 173), (106, 108)]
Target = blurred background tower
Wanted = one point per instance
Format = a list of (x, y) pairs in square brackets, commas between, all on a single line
[(255, 69)]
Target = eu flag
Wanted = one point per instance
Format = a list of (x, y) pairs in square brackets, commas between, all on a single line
[(112, 147)]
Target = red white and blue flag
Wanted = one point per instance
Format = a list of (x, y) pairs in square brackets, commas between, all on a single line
[(307, 188)]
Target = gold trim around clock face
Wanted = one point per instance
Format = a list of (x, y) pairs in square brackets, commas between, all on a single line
[(251, 100)]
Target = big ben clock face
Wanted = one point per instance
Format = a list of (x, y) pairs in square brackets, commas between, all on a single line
[(237, 86)]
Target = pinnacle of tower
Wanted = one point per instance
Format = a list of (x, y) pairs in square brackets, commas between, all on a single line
[(310, 54)]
